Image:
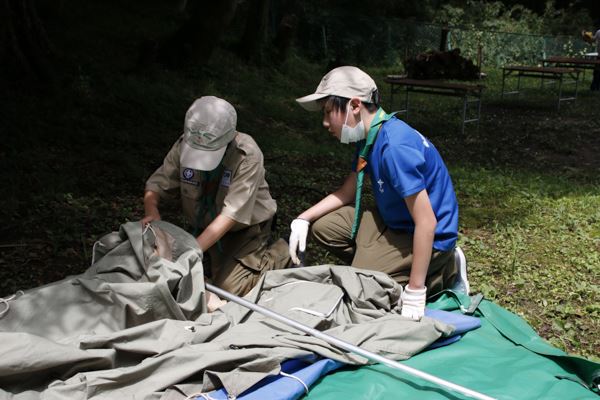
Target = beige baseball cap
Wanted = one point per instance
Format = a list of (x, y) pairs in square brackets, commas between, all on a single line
[(344, 81), (209, 126)]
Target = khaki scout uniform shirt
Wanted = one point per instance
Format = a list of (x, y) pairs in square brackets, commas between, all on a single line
[(243, 194)]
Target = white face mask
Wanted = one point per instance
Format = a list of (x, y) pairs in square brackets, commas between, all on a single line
[(352, 134)]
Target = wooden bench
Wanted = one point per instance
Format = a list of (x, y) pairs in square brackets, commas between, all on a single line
[(470, 93), (543, 73)]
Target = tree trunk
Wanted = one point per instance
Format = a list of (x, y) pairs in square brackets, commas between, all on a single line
[(24, 42), (255, 34), (444, 39), (195, 41), (285, 35)]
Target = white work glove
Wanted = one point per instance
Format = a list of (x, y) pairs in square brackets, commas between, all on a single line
[(298, 238), (413, 302)]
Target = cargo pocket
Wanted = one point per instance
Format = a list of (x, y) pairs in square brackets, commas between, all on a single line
[(274, 256), (277, 256), (252, 261)]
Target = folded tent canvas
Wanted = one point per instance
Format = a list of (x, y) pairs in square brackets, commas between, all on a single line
[(136, 325)]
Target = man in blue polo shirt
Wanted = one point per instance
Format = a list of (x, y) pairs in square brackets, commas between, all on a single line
[(411, 234)]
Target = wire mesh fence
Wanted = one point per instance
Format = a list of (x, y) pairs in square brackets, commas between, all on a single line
[(388, 42)]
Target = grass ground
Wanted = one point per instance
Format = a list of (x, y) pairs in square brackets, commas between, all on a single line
[(73, 165)]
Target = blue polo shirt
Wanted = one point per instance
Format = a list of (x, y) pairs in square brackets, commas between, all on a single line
[(402, 163)]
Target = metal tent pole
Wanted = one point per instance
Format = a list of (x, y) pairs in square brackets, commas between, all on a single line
[(345, 345)]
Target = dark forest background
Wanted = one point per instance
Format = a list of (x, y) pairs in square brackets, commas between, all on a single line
[(259, 31)]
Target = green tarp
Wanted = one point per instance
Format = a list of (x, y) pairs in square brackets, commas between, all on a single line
[(504, 359)]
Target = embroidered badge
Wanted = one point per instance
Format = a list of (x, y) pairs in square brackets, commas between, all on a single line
[(188, 174), (380, 183), (226, 179)]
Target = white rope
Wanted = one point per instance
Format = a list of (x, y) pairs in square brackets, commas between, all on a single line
[(296, 378), (6, 300), (318, 313), (205, 396), (146, 227), (96, 243), (99, 243)]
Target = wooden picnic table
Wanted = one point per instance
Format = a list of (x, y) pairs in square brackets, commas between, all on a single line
[(544, 73), (572, 62), (470, 93)]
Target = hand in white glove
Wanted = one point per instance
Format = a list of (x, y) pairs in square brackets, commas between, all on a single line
[(298, 238), (413, 302)]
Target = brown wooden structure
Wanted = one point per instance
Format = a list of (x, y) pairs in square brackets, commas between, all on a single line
[(553, 74), (470, 94)]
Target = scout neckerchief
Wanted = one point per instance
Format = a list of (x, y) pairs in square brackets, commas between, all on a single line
[(363, 157), (209, 182)]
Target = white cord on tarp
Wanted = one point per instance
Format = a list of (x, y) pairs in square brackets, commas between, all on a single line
[(7, 299), (99, 242), (317, 313), (296, 378), (148, 226), (96, 243), (205, 396)]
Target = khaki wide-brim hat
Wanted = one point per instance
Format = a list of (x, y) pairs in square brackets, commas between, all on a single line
[(345, 82), (210, 124)]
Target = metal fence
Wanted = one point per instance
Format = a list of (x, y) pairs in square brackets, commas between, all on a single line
[(387, 42)]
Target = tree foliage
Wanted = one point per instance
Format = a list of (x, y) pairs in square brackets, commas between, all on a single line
[(508, 34), (195, 40), (515, 18), (267, 31)]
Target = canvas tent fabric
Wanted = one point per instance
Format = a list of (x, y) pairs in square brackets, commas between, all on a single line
[(300, 375), (135, 325), (504, 359)]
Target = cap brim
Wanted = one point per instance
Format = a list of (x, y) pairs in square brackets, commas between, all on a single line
[(311, 102), (202, 160)]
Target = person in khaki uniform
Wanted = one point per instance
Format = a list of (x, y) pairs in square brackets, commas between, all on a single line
[(220, 175), (411, 234)]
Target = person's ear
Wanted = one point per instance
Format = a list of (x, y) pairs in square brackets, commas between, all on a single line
[(355, 105)]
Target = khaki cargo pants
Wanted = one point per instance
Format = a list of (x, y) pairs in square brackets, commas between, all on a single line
[(243, 256), (379, 248)]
